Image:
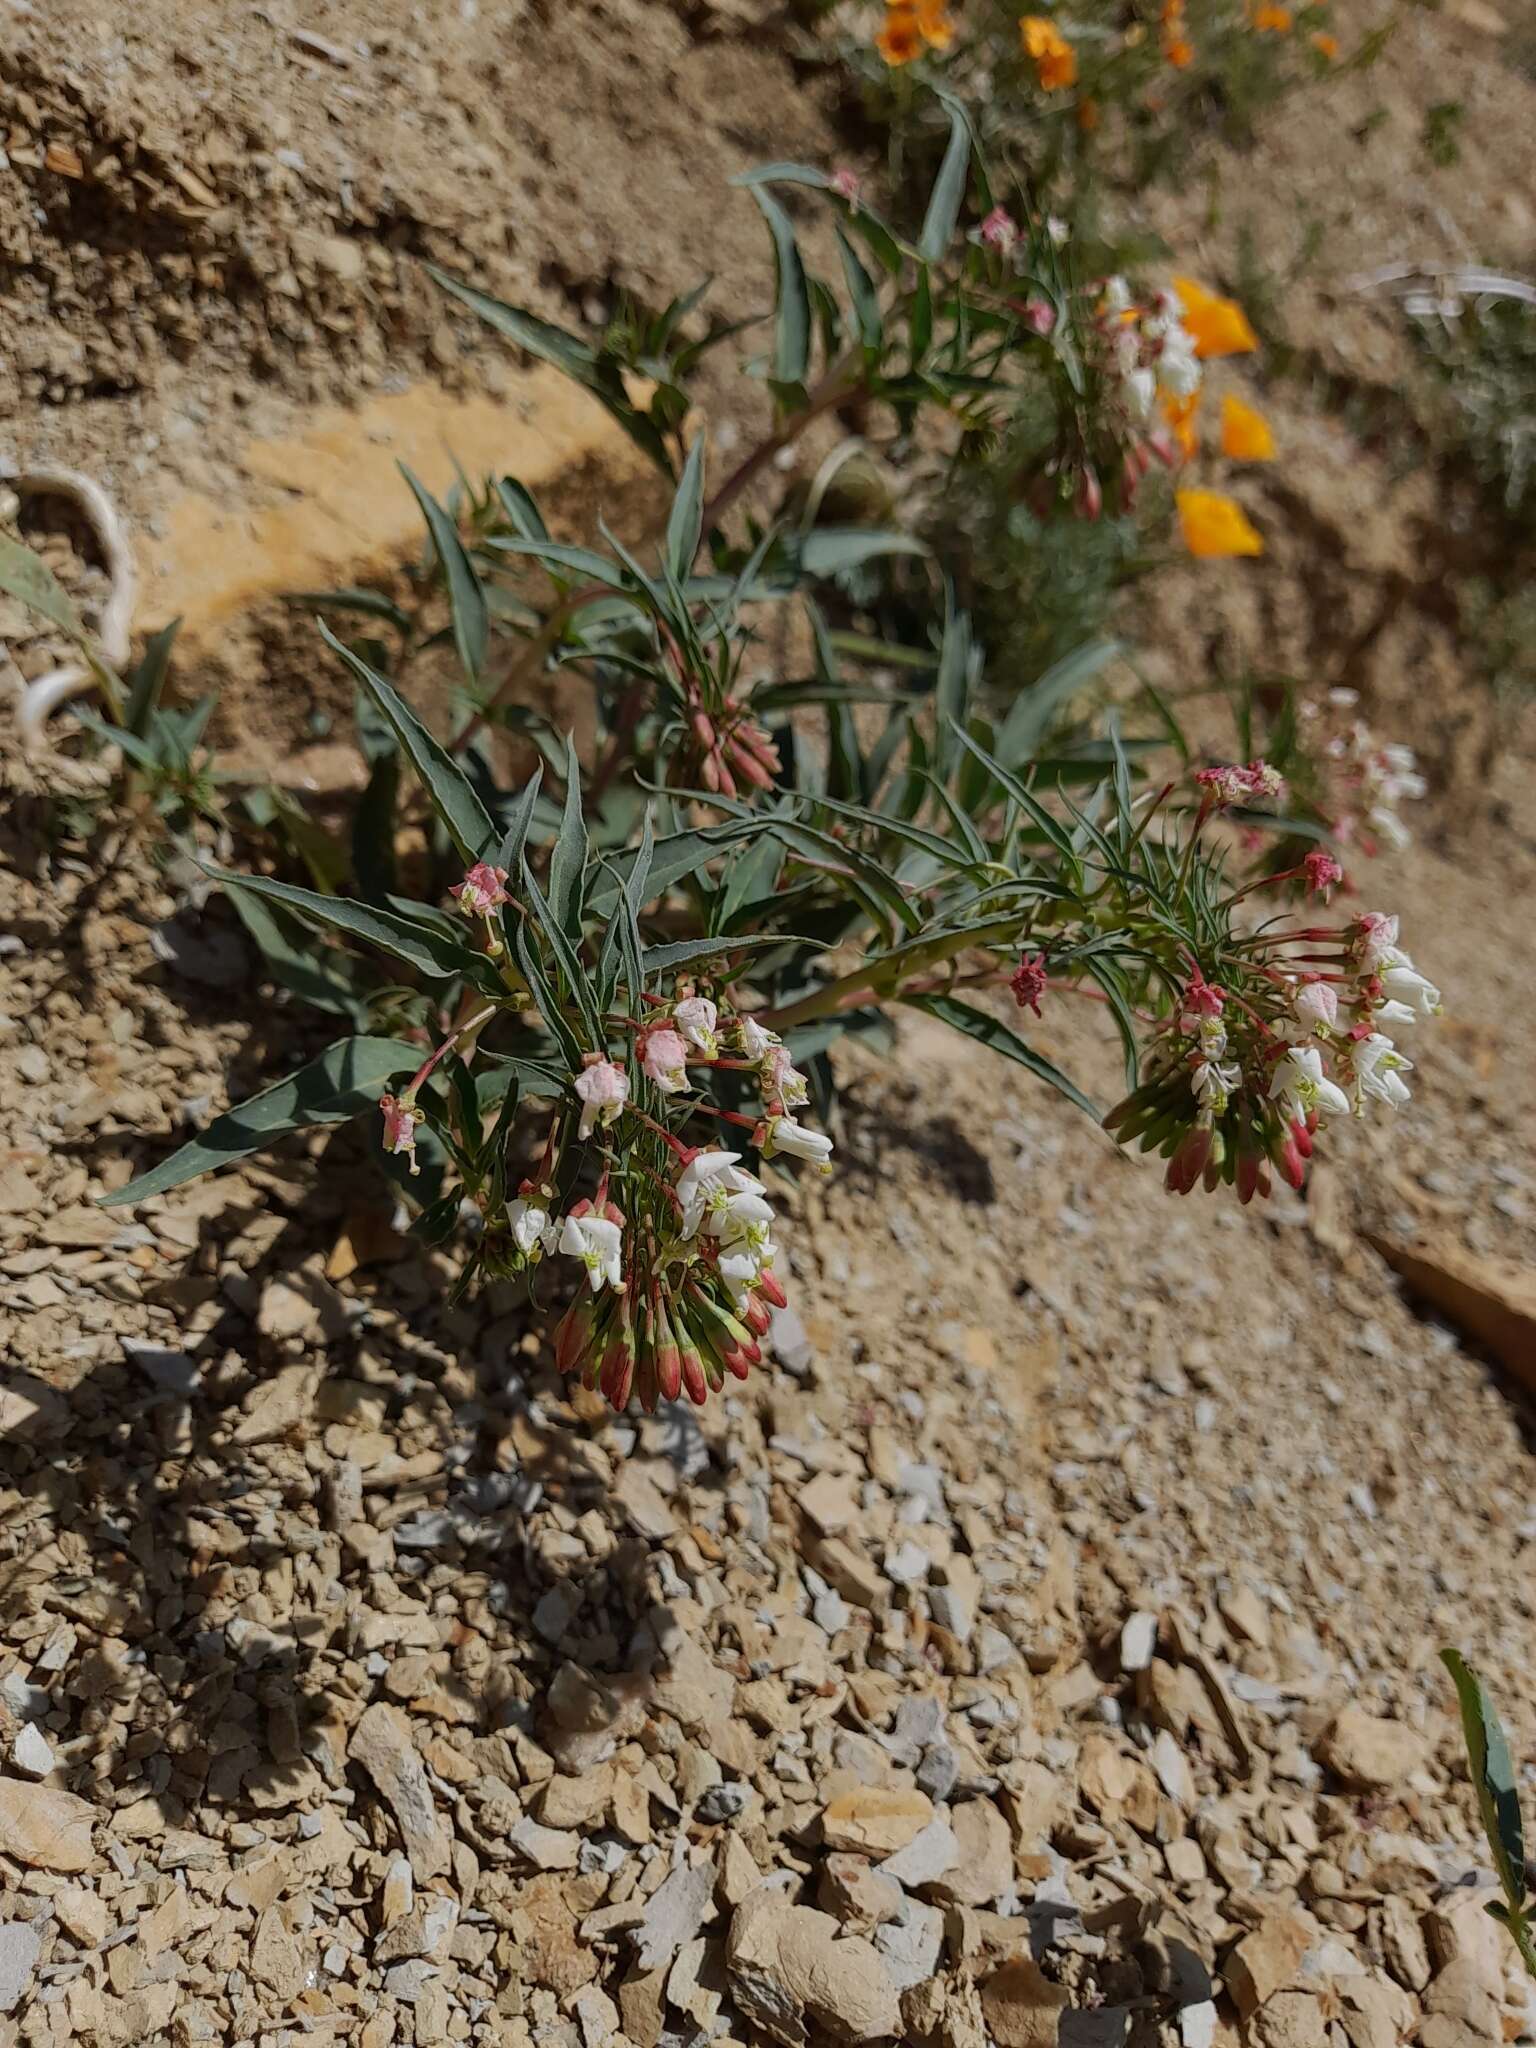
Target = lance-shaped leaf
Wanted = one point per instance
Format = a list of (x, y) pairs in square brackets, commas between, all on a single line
[(466, 597), (27, 576), (1493, 1777), (449, 788), (948, 188), (1001, 1038), (344, 1080), (685, 522), (419, 945), (792, 317)]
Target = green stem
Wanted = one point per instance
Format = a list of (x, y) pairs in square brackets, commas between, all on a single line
[(882, 983)]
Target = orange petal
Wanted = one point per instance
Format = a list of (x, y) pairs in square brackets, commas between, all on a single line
[(1214, 526), (1245, 434), (1218, 326), (902, 37), (1180, 415)]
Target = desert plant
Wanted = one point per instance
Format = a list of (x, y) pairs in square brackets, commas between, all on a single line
[(1498, 1803)]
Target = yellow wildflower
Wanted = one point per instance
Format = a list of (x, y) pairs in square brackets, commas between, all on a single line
[(1215, 526), (1245, 434), (1271, 20), (1054, 57), (912, 26), (1180, 415), (1219, 326)]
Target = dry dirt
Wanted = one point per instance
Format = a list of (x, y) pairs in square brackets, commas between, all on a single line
[(354, 1689)]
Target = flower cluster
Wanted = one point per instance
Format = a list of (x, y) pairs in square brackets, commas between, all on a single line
[(913, 26), (1054, 58), (1248, 1071), (1368, 779)]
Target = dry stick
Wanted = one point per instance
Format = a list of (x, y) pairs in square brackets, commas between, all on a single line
[(833, 388)]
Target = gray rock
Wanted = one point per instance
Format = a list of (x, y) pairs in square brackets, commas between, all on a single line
[(676, 1912), (31, 1753), (789, 1342), (919, 1723), (951, 1612), (939, 1773), (911, 1944), (724, 1802), (19, 1951), (931, 1852)]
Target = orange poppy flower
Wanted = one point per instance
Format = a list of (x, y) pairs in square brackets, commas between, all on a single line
[(1326, 45), (1215, 526), (1245, 434), (1180, 415), (1271, 20), (933, 19), (1218, 326), (1054, 57), (1179, 52), (902, 37)]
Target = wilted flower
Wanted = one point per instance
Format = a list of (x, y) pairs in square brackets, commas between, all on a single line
[(1372, 938), (401, 1120), (1322, 871), (783, 1081), (1028, 982), (603, 1089), (696, 1017), (482, 890), (999, 230), (664, 1058)]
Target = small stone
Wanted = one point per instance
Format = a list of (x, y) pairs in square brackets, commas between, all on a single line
[(1370, 1754), (1459, 1993), (725, 1802), (1459, 1930), (30, 1752), (44, 1828), (911, 1944), (983, 1867), (276, 1959), (20, 1947), (932, 1851), (399, 1892), (1022, 2007), (545, 1848), (596, 2015), (81, 1914), (828, 1501), (675, 1913), (1244, 1613), (1403, 1944), (1265, 1961), (381, 1743), (952, 1611), (857, 1894), (939, 1772), (1291, 2019), (1138, 1640), (645, 1505), (1376, 2012), (792, 1976), (875, 1819), (1197, 2024)]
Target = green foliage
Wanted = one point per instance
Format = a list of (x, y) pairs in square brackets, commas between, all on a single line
[(1498, 1801)]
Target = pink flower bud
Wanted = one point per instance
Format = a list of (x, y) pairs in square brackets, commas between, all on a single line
[(845, 184), (999, 230), (1038, 315)]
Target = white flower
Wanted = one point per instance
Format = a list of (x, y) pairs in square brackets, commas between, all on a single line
[(756, 1042), (1178, 367), (598, 1244), (1213, 1085), (736, 1213), (1141, 393), (1302, 1088), (532, 1230), (1117, 295), (696, 1018), (603, 1089), (1402, 982), (708, 1182), (1057, 229), (1375, 939), (741, 1267), (783, 1134), (783, 1080), (1394, 1013), (1379, 1068), (1390, 826), (1316, 1004), (1212, 1034)]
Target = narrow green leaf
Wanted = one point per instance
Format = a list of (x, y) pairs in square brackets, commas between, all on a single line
[(452, 795), (325, 980), (418, 945), (826, 550), (685, 522), (345, 1079), (1034, 709), (373, 828), (509, 854), (1027, 802), (684, 952), (1493, 1777), (792, 320), (863, 294), (1002, 1038), (26, 576), (466, 599), (569, 962), (371, 604), (146, 682), (569, 859), (952, 687), (948, 188), (521, 508), (545, 999)]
